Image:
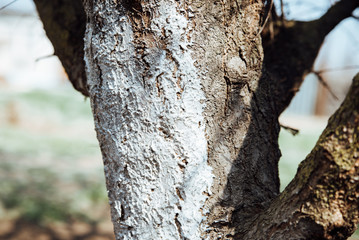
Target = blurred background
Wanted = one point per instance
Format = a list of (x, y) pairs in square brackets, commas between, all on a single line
[(51, 173)]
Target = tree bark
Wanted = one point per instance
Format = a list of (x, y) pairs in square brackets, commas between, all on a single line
[(148, 106), (186, 115), (322, 200), (185, 125)]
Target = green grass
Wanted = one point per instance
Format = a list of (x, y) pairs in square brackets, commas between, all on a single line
[(50, 163), (17, 141), (294, 150), (65, 102), (37, 194), (36, 112)]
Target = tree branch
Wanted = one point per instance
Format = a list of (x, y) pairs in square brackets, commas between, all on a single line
[(65, 23), (325, 85), (290, 56), (6, 5), (322, 200), (293, 131)]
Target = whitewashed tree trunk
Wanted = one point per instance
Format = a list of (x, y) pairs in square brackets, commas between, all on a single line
[(186, 113), (148, 106), (164, 79)]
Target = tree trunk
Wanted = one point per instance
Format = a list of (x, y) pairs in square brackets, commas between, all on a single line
[(175, 90), (186, 113)]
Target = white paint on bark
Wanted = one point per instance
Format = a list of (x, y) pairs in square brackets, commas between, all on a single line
[(149, 123)]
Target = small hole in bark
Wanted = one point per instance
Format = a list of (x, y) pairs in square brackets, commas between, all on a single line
[(206, 193), (122, 218), (165, 132), (181, 167)]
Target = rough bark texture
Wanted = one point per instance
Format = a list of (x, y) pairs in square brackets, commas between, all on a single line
[(322, 201), (187, 119), (155, 69), (155, 59), (241, 130), (147, 101)]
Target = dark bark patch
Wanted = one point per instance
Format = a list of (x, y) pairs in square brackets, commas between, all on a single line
[(310, 229), (132, 5)]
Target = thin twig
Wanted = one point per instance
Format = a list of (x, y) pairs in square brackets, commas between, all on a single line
[(323, 82), (336, 69), (266, 18), (282, 11), (44, 57), (293, 131), (325, 85), (6, 5)]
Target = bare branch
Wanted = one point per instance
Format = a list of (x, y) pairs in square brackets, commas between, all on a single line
[(293, 131), (6, 5), (44, 57), (65, 22), (322, 200), (292, 53), (336, 69), (325, 85), (266, 17), (282, 16)]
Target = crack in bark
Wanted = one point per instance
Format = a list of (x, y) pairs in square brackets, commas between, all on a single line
[(179, 228), (228, 94), (178, 191), (122, 218), (170, 57), (158, 84)]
